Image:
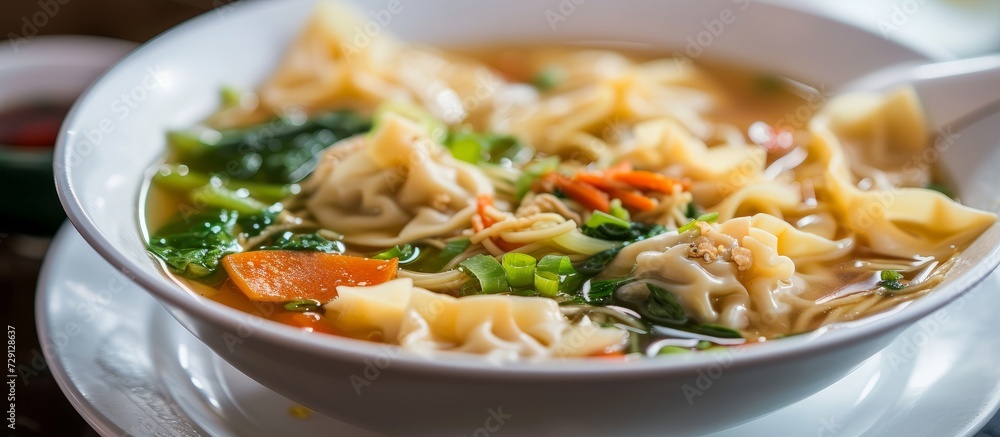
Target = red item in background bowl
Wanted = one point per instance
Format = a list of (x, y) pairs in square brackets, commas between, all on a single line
[(32, 125)]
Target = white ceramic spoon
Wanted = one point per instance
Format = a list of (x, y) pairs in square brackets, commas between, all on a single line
[(950, 92)]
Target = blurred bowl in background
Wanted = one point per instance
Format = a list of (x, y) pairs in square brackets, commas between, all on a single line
[(41, 78)]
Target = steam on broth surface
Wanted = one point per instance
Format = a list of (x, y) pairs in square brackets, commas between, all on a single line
[(535, 202)]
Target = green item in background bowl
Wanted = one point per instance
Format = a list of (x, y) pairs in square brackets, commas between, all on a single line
[(27, 135), (39, 80), (26, 187)]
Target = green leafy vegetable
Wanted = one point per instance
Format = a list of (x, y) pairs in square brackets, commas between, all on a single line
[(302, 306), (251, 225), (181, 179), (282, 151), (600, 292), (488, 271), (691, 211), (638, 232), (224, 198), (406, 254), (479, 147), (305, 242), (890, 280), (548, 78), (712, 330), (705, 218), (660, 307), (664, 307), (451, 249), (192, 246), (941, 188)]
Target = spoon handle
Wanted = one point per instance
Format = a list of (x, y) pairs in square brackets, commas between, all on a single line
[(949, 91)]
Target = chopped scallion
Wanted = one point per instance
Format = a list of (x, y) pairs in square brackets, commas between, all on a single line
[(620, 212), (599, 218), (890, 280), (488, 271), (520, 269), (547, 79), (546, 283), (711, 217), (406, 254), (567, 276), (301, 306)]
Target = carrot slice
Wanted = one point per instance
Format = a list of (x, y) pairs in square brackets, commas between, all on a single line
[(621, 167), (483, 201), (632, 200), (598, 180), (609, 356), (287, 275), (583, 193), (649, 181)]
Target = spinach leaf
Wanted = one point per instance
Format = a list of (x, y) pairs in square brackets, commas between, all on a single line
[(600, 292), (305, 242), (277, 152), (192, 246), (405, 254), (451, 249), (594, 265), (251, 225), (662, 306)]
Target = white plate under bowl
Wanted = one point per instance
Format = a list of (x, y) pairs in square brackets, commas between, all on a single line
[(129, 368)]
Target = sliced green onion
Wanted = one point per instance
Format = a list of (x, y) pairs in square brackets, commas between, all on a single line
[(547, 79), (230, 96), (546, 283), (224, 198), (711, 217), (890, 280), (619, 211), (466, 148), (520, 268), (488, 271), (670, 350), (301, 306), (891, 275), (560, 266), (599, 218), (406, 254)]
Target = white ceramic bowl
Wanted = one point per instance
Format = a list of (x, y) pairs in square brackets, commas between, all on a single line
[(108, 142)]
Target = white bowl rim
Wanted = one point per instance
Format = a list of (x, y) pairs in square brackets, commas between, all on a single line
[(341, 348)]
